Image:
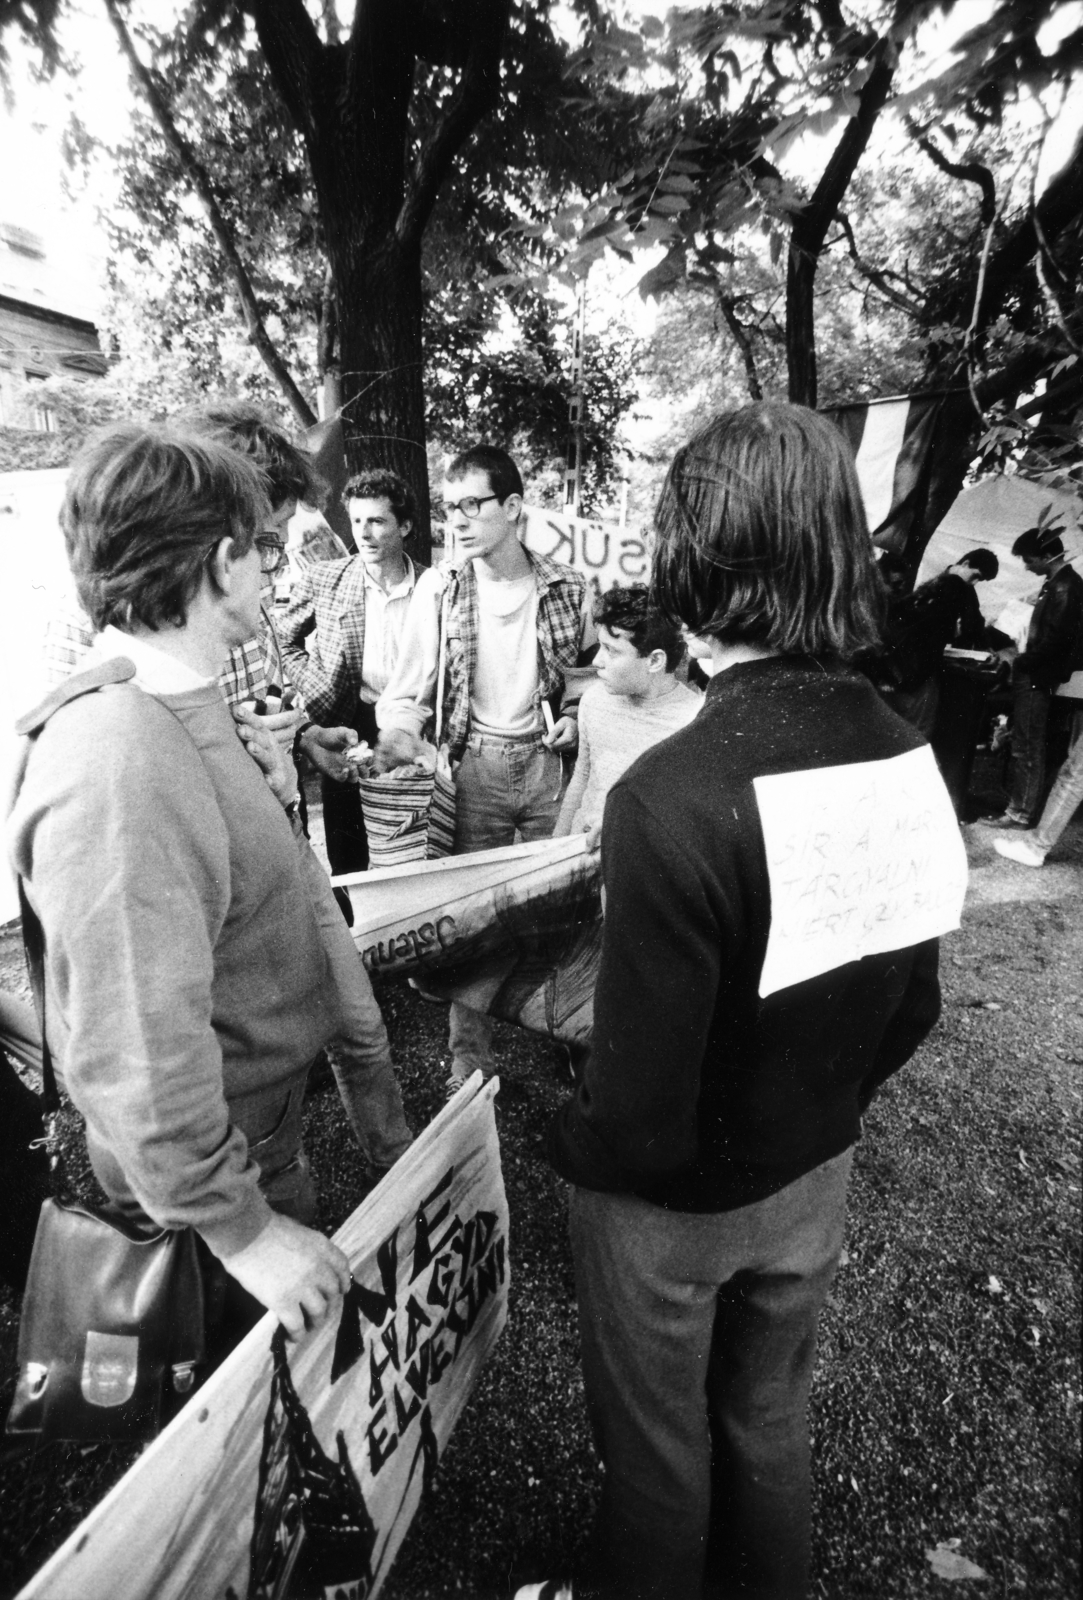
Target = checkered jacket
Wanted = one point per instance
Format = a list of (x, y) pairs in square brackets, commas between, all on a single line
[(561, 593), (328, 601)]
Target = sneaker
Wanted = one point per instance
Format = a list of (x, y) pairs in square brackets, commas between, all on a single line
[(1021, 850), (554, 1589), (453, 1083), (1009, 819)]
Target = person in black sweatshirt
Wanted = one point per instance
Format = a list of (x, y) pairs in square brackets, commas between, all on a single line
[(776, 876)]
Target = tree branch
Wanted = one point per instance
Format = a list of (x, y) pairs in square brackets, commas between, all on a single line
[(728, 307), (811, 225), (294, 54), (197, 176), (875, 275), (967, 172), (475, 95)]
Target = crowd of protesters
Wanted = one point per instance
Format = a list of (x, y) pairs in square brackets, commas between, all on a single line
[(197, 960)]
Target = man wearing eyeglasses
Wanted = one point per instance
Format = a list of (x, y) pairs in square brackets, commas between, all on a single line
[(254, 673), (515, 625)]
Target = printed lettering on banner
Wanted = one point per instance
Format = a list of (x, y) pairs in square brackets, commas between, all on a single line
[(862, 859), (605, 552), (297, 1469)]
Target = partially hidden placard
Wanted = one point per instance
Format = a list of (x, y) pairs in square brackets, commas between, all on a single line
[(862, 859)]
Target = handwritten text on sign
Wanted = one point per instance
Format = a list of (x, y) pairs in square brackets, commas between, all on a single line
[(605, 552), (862, 859)]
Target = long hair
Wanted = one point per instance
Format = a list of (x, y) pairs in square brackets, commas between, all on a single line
[(762, 537), (143, 511)]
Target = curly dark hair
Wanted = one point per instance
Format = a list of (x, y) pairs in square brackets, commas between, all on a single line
[(144, 510), (762, 536), (629, 611), (379, 484)]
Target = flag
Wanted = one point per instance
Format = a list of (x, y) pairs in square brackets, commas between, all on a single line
[(911, 452)]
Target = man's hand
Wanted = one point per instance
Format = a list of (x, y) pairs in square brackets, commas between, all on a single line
[(565, 735), (283, 725), (326, 749), (394, 748), (594, 837), (273, 761), (294, 1271)]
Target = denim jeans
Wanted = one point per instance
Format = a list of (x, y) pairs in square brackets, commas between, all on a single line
[(699, 1336), (1065, 795), (1030, 717), (504, 789)]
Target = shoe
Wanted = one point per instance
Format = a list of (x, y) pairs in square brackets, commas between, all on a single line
[(554, 1589), (453, 1083), (1021, 850), (1009, 819)]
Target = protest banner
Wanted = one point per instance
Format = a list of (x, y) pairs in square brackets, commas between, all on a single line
[(294, 1473), (514, 931), (605, 552)]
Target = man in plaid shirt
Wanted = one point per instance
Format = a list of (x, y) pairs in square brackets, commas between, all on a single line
[(504, 629), (351, 614)]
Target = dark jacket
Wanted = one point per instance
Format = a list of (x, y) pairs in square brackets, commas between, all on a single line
[(1055, 637), (700, 1095)]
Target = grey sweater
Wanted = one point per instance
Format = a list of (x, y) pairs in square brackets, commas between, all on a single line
[(185, 971)]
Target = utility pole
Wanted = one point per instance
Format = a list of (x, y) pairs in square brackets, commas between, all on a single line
[(573, 470)]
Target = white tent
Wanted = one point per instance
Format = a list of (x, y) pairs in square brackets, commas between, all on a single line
[(991, 515)]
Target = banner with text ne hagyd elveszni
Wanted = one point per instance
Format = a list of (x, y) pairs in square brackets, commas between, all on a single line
[(515, 931), (294, 1472)]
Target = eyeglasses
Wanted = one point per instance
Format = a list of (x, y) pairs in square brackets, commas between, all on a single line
[(272, 554), (470, 505)]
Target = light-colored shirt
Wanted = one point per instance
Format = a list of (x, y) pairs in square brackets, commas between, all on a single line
[(506, 675), (614, 731), (385, 620)]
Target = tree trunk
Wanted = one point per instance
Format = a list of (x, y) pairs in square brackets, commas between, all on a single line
[(811, 226), (380, 357)]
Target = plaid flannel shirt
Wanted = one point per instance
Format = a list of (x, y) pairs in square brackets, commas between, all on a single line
[(561, 593)]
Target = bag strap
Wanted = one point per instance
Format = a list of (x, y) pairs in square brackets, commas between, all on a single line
[(441, 666)]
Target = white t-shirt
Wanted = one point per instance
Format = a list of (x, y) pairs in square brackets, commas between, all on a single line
[(506, 676)]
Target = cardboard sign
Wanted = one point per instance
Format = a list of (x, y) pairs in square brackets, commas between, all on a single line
[(296, 1469), (862, 859), (606, 553)]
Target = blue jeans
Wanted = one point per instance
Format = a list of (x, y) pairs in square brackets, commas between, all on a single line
[(1030, 717), (699, 1336), (504, 789)]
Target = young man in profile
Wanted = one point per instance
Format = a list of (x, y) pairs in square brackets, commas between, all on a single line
[(1054, 649), (513, 625), (352, 613)]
